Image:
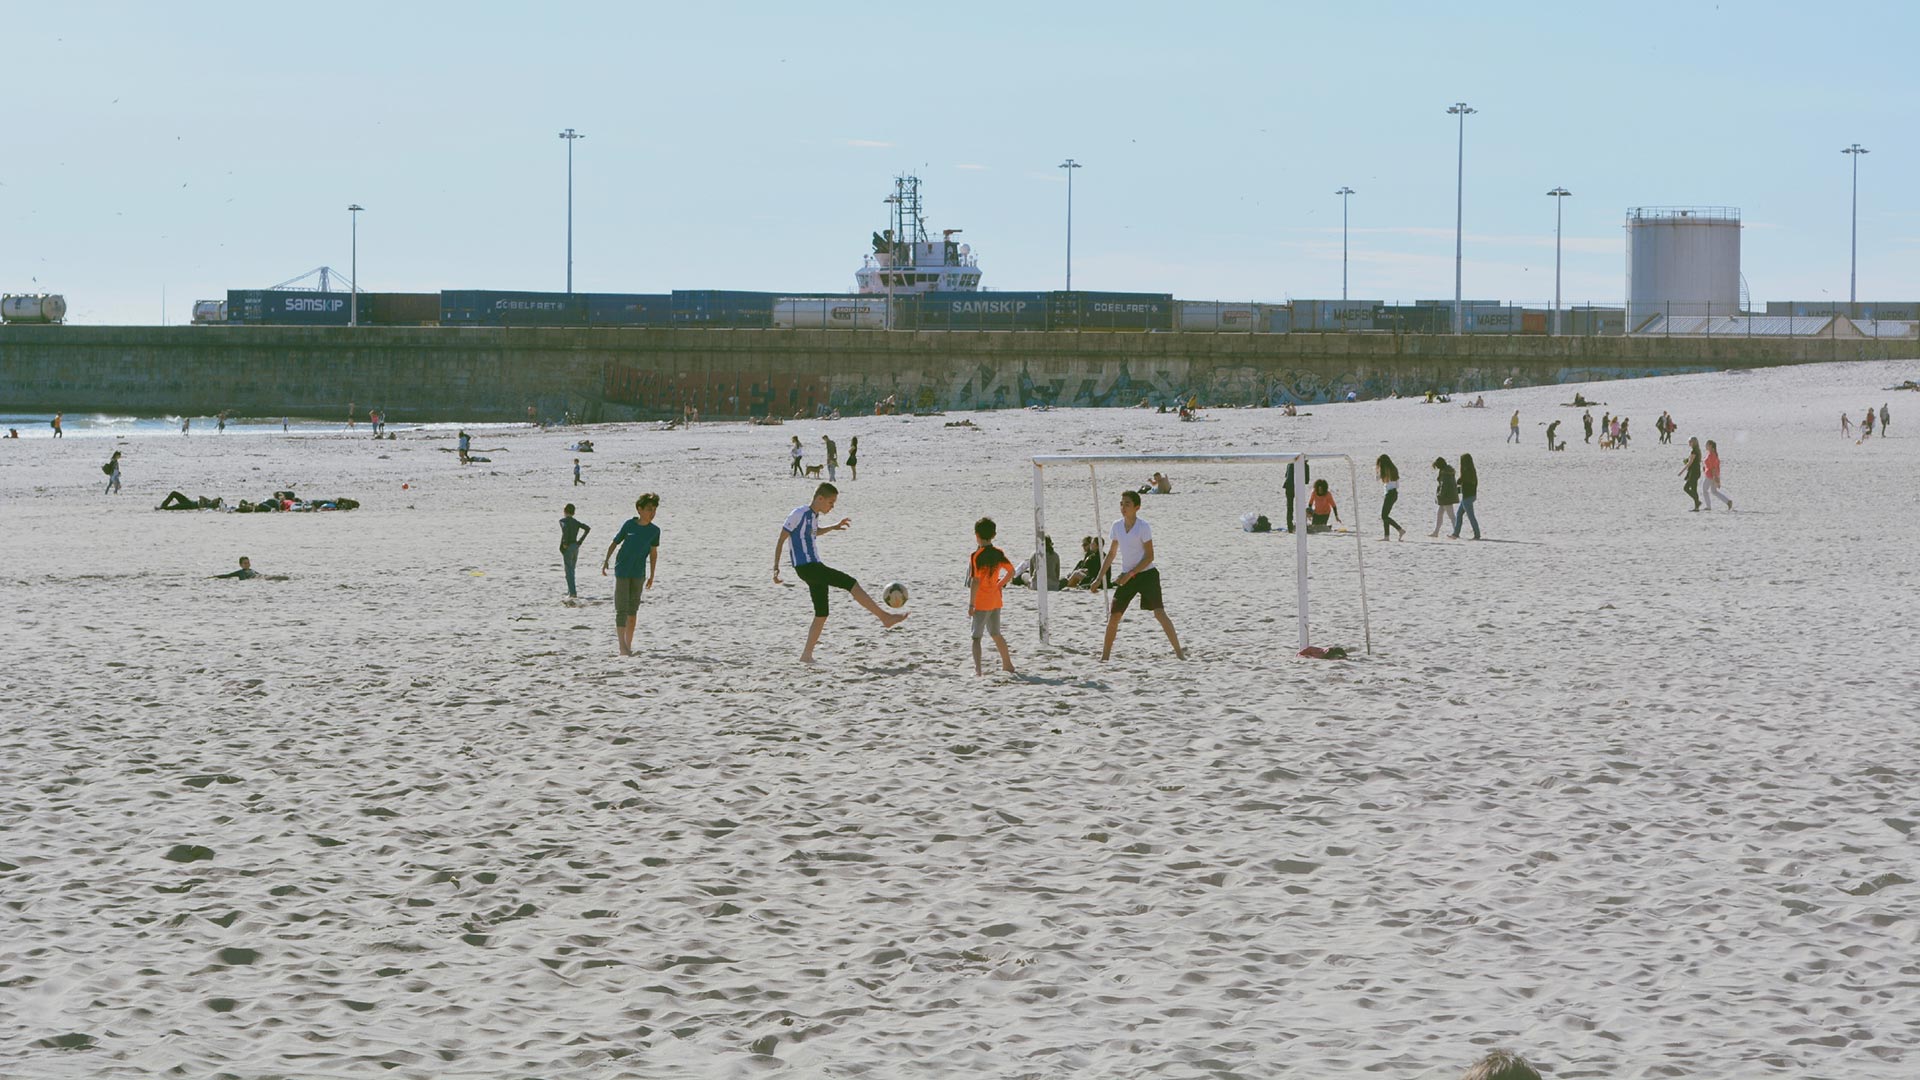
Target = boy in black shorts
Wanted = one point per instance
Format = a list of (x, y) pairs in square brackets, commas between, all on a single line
[(802, 531), (639, 544), (1133, 546)]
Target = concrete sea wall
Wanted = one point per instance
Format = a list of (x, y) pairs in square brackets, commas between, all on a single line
[(448, 373)]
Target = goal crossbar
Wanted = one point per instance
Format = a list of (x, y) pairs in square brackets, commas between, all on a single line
[(1041, 462)]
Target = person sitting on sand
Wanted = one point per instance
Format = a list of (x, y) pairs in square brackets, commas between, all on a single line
[(1157, 484), (1024, 576), (1087, 570), (245, 573), (1319, 505)]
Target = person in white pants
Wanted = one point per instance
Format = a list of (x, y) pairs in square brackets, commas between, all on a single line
[(1712, 471)]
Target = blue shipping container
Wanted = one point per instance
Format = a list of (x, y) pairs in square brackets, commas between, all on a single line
[(1493, 320), (289, 307), (1110, 311), (482, 307), (629, 309), (722, 307), (974, 311)]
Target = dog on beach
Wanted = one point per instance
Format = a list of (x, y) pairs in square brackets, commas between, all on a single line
[(814, 470)]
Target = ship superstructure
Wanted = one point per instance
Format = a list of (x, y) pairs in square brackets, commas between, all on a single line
[(904, 261)]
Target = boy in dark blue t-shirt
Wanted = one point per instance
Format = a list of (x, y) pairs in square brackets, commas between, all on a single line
[(639, 543)]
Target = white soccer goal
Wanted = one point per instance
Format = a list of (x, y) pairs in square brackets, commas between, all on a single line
[(1299, 460)]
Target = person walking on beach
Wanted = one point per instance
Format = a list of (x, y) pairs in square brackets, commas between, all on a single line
[(576, 473), (1712, 473), (186, 425), (1691, 472), (795, 454), (1552, 430), (59, 432), (1132, 544), (113, 474), (1866, 424), (1846, 427), (221, 421), (1885, 419), (833, 457), (1469, 491), (1389, 475), (1513, 427), (639, 543), (1624, 437), (283, 425), (1586, 421), (801, 534), (573, 534), (1446, 494), (349, 416), (466, 446), (853, 458), (987, 572)]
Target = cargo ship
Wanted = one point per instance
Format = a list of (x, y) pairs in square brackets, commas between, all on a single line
[(904, 262)]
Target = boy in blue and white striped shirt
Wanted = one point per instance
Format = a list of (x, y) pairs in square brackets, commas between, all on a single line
[(801, 533)]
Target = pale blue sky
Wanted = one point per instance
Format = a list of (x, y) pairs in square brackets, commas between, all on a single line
[(749, 145)]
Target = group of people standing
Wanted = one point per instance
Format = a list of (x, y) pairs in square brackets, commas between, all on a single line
[(796, 452), (1454, 493), (1866, 423)]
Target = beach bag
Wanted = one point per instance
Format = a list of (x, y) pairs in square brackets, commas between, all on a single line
[(1261, 524), (107, 468)]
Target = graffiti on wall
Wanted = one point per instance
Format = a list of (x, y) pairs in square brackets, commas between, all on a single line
[(713, 392)]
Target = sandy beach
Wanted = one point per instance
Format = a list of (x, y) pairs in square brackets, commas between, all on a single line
[(1630, 790)]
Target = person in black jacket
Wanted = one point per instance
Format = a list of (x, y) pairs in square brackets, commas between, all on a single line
[(1469, 489), (1445, 496), (1691, 472), (1307, 469)]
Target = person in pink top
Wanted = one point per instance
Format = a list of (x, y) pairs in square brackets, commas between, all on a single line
[(1713, 476)]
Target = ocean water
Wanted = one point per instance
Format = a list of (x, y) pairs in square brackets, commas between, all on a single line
[(108, 425)]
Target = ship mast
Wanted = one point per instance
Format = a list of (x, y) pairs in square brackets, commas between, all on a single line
[(909, 228)]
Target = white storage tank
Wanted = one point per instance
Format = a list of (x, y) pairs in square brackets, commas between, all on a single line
[(1682, 260), (209, 311), (831, 313), (41, 308)]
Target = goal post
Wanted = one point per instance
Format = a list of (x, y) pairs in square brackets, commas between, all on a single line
[(1297, 459)]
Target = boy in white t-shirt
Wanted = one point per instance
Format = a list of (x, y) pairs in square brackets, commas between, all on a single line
[(1133, 546)]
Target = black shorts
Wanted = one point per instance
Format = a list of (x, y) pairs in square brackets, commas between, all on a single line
[(1145, 585), (819, 578)]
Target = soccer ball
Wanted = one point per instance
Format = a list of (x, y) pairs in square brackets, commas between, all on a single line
[(895, 594)]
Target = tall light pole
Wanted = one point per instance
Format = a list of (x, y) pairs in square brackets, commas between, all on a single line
[(1558, 194), (570, 135), (1343, 193), (1460, 109), (1069, 165), (1853, 258), (353, 285)]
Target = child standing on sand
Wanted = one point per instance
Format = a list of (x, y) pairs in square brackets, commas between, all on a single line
[(987, 572), (639, 544), (576, 473), (795, 455), (802, 532)]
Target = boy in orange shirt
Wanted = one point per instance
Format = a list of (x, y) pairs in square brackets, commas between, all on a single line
[(988, 570)]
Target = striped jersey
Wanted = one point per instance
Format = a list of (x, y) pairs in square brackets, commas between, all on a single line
[(803, 528)]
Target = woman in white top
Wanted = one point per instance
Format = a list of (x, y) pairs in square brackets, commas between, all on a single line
[(1133, 546), (1389, 475)]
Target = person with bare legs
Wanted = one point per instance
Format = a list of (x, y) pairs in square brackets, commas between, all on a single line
[(1133, 547), (801, 533), (1444, 497), (639, 544), (988, 569)]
